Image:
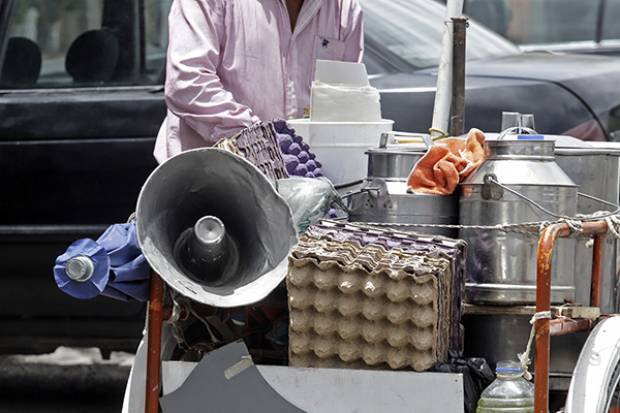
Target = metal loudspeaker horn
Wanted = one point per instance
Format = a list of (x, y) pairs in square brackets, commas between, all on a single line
[(212, 225)]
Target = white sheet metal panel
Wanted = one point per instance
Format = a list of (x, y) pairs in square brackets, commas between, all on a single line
[(343, 390)]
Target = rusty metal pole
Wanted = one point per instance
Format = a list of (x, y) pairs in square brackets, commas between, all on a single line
[(546, 244), (543, 304), (457, 110), (153, 362), (597, 270)]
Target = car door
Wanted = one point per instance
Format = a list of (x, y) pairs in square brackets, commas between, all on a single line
[(81, 101)]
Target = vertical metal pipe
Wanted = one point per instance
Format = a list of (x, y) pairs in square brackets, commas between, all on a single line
[(597, 270), (443, 96), (543, 304), (543, 299), (153, 362), (457, 117)]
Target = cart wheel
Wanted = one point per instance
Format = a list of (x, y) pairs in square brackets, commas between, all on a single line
[(613, 394), (596, 378)]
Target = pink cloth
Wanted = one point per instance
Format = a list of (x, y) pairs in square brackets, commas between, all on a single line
[(234, 62)]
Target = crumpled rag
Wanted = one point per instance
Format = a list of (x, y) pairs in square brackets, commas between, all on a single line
[(447, 163)]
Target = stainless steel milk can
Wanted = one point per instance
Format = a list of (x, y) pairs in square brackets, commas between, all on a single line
[(501, 266), (597, 172)]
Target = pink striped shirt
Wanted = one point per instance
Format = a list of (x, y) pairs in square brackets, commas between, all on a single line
[(233, 62)]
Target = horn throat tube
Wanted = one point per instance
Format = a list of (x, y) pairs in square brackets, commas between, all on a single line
[(206, 251)]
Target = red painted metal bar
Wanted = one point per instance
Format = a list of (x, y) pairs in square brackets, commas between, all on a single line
[(546, 244), (564, 326), (597, 270), (153, 362), (543, 303)]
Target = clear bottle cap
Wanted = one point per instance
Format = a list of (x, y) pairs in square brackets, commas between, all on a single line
[(508, 367), (80, 268)]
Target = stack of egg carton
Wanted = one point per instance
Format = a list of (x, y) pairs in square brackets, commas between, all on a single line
[(368, 298)]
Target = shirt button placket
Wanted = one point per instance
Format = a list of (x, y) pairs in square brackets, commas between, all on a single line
[(291, 99)]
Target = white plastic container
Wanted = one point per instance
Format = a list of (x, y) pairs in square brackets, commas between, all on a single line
[(341, 146)]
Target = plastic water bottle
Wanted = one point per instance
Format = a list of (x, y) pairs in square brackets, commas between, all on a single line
[(509, 393)]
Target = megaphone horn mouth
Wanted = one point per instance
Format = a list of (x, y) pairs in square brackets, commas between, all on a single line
[(215, 229)]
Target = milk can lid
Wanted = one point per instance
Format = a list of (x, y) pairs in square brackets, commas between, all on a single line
[(531, 137)]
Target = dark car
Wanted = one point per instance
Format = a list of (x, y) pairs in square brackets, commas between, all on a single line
[(80, 104), (571, 94), (81, 101)]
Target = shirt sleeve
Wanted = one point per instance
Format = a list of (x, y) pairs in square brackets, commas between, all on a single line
[(354, 37), (194, 92)]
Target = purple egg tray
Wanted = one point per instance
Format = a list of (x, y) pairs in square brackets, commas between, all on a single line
[(298, 158)]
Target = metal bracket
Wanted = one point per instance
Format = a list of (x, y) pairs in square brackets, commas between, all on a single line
[(490, 189), (395, 137)]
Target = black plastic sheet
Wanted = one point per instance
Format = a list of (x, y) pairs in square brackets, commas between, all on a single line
[(477, 375)]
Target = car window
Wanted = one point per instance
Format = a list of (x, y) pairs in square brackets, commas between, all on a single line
[(544, 21), (492, 14), (373, 66), (555, 21), (85, 43), (156, 35), (611, 24), (412, 30)]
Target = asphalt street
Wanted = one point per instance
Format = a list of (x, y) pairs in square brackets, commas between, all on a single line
[(55, 383)]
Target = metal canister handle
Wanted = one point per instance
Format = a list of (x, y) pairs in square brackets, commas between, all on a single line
[(418, 137), (346, 198), (360, 191), (516, 130), (490, 180)]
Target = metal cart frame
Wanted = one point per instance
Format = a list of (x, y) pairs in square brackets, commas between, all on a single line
[(545, 327)]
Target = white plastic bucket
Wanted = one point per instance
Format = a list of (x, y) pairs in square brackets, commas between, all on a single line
[(341, 146)]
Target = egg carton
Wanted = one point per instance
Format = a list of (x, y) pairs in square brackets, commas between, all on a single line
[(259, 145), (364, 305), (432, 245), (435, 246)]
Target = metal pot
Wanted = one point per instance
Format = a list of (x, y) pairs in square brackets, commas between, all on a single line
[(501, 267), (391, 164), (384, 197), (597, 173), (389, 202)]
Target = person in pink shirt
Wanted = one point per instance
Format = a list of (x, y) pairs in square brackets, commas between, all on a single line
[(231, 63)]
